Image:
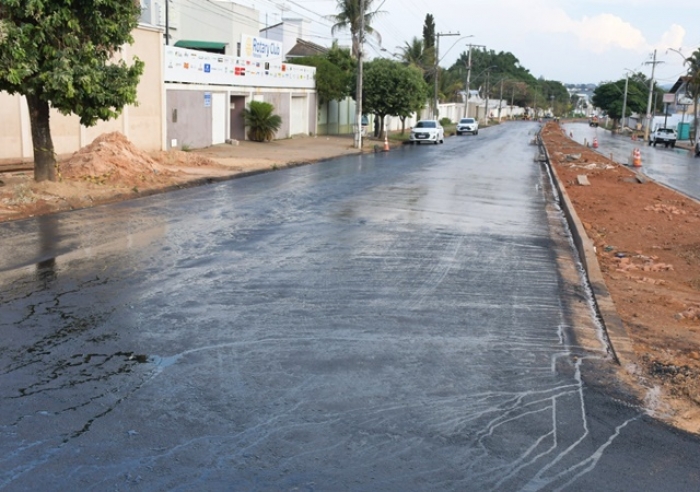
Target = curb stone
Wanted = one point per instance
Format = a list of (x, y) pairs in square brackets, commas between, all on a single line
[(619, 339)]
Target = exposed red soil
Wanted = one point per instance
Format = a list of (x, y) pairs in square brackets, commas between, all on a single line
[(647, 240)]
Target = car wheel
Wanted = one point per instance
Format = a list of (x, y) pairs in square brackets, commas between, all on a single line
[(436, 141), (673, 145)]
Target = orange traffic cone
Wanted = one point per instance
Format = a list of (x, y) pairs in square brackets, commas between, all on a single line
[(637, 158), (595, 143), (386, 142)]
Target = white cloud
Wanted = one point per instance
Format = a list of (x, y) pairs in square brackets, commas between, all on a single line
[(605, 31)]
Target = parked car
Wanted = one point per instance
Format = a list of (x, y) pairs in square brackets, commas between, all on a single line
[(468, 125), (427, 131), (666, 136)]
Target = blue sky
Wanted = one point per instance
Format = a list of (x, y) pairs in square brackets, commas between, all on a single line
[(585, 41)]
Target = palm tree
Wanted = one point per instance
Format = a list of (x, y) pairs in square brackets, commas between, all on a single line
[(694, 85), (262, 124), (348, 17), (412, 53)]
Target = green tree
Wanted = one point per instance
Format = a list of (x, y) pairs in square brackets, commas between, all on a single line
[(429, 49), (334, 73), (57, 54), (261, 122), (609, 97), (392, 88), (349, 17)]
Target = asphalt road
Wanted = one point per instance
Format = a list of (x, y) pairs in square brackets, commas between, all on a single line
[(383, 322), (674, 167)]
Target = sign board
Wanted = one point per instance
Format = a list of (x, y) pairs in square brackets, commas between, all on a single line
[(207, 99), (669, 98), (199, 67), (684, 100), (261, 49)]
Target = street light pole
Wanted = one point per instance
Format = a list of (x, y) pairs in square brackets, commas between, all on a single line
[(624, 101), (651, 91), (358, 93), (437, 68)]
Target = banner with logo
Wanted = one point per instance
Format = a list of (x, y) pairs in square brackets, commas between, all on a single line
[(261, 49), (199, 67)]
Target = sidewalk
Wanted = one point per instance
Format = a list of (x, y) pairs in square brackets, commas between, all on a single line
[(126, 173)]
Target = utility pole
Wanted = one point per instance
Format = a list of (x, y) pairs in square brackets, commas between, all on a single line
[(437, 68), (486, 108), (512, 100), (651, 91), (167, 23), (469, 75), (500, 102), (358, 94)]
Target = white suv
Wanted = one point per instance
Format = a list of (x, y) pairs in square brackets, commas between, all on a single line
[(666, 136), (428, 131), (468, 125)]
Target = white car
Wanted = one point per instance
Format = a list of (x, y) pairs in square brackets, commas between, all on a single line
[(468, 125), (428, 131)]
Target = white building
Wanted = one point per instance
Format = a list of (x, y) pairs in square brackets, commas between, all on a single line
[(287, 32), (214, 26)]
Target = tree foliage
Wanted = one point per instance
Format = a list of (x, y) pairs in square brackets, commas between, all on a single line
[(261, 121), (349, 17), (693, 62), (59, 53), (334, 73), (392, 88), (610, 97)]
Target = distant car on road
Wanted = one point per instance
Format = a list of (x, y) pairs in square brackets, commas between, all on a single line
[(593, 121), (666, 136), (468, 125), (428, 131)]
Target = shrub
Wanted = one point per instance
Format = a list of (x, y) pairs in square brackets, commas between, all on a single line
[(445, 121), (261, 122)]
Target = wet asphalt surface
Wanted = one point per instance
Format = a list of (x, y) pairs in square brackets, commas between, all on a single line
[(385, 322), (677, 168)]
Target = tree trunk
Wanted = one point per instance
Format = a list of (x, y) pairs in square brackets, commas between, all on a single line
[(403, 124), (44, 157)]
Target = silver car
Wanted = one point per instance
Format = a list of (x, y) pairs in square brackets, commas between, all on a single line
[(428, 131)]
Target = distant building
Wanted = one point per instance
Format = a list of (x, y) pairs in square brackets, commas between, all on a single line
[(288, 32)]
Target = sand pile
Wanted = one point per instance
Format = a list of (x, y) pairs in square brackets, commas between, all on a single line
[(111, 158)]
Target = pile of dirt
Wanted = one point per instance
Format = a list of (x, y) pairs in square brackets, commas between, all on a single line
[(111, 158), (647, 240)]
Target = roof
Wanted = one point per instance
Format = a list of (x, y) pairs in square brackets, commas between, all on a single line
[(679, 83), (306, 48), (271, 27), (200, 45)]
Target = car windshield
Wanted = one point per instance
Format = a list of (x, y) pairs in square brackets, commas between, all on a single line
[(467, 120), (665, 130), (426, 124)]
